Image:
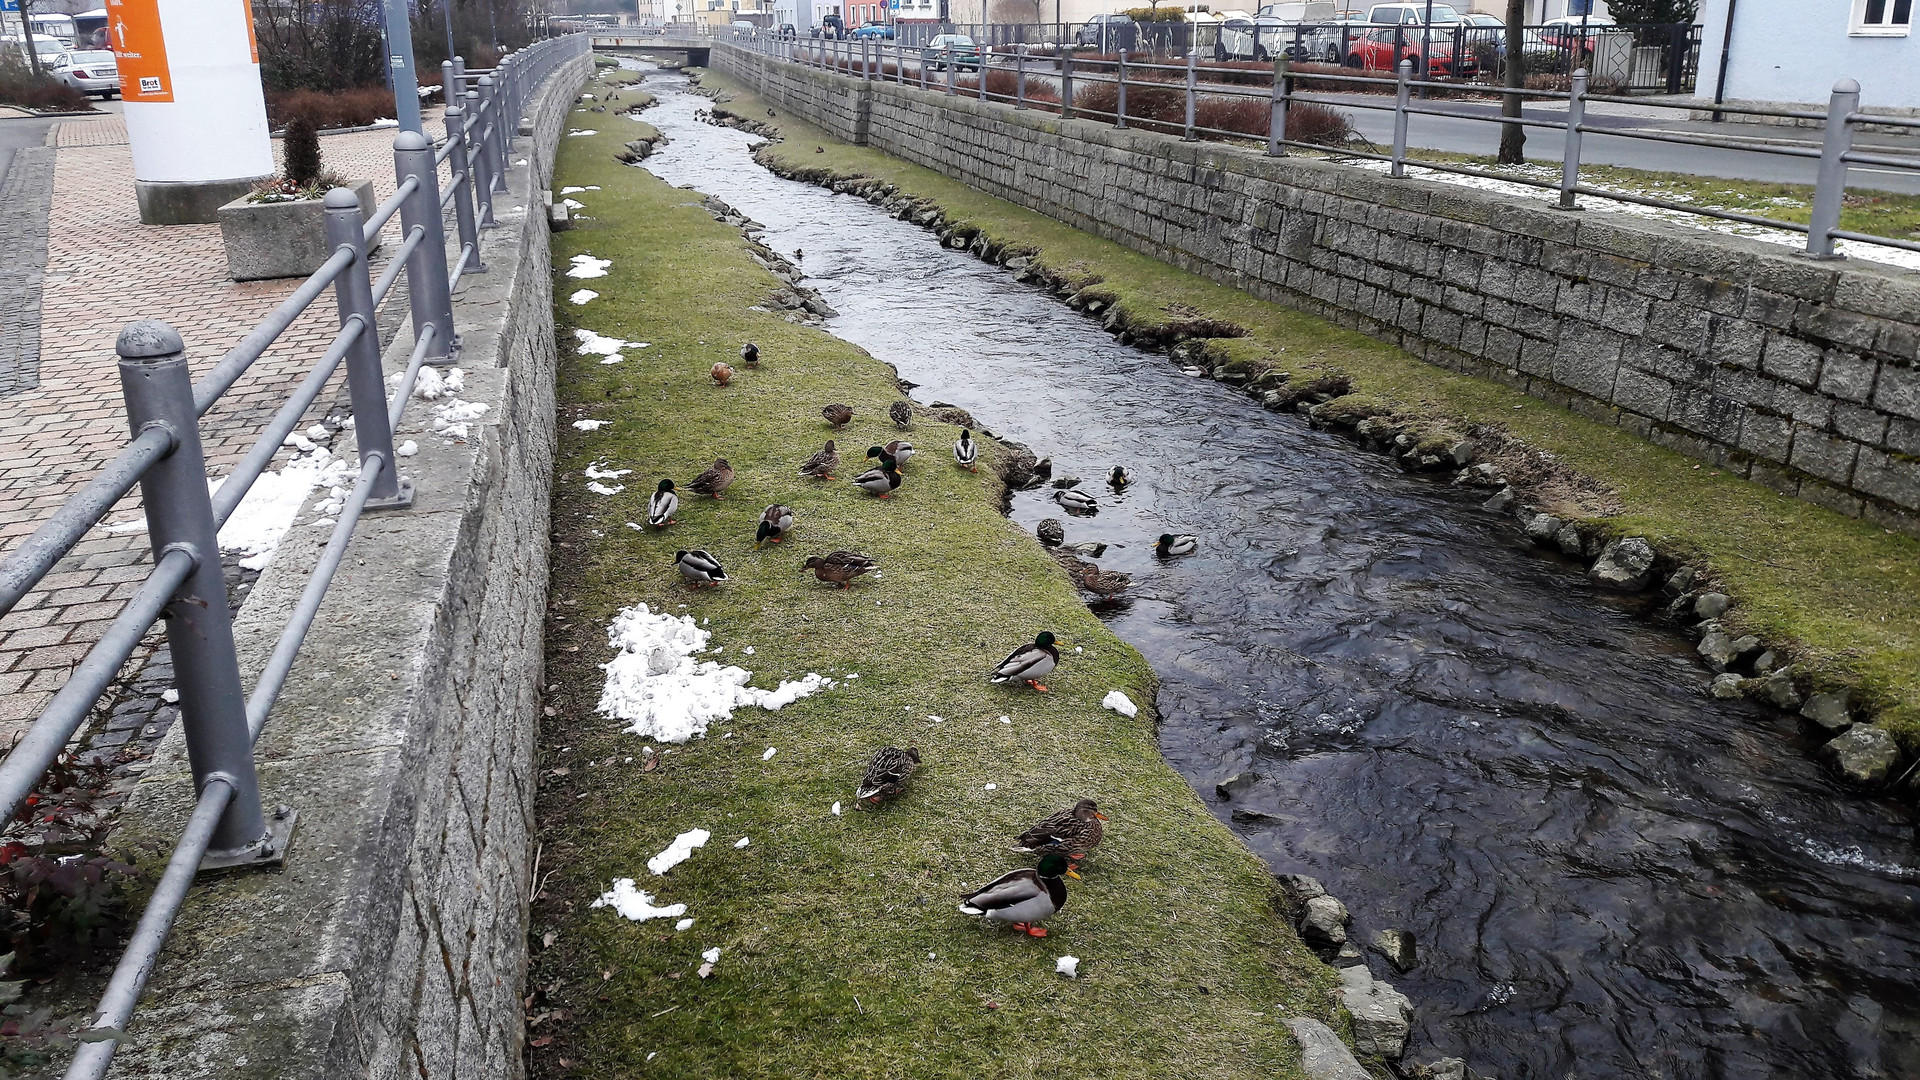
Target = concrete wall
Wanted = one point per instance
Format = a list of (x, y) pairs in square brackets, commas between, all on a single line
[(393, 943), (1795, 50), (1804, 376)]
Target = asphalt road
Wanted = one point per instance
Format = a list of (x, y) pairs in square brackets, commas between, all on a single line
[(15, 134)]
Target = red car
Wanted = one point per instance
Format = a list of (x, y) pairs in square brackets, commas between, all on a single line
[(1374, 51)]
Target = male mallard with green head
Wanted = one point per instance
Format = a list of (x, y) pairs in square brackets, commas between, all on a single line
[(775, 522), (1029, 663), (899, 450), (881, 481), (1072, 832), (699, 567), (966, 452), (1023, 897), (1075, 501), (661, 508), (1171, 544)]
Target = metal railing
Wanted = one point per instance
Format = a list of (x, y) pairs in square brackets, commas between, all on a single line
[(1212, 101), (229, 827)]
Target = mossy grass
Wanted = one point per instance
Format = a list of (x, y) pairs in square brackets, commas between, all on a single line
[(1843, 595), (842, 950)]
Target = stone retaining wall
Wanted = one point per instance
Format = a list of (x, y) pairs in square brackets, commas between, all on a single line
[(1801, 375), (393, 943)]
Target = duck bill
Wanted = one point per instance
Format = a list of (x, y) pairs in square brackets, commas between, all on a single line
[(1100, 815), (1072, 874)]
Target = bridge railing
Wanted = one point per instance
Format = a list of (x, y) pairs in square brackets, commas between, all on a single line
[(229, 826), (1260, 102)]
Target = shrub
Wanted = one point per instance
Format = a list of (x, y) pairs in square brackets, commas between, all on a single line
[(345, 108), (1312, 122), (1005, 84), (58, 906), (1175, 13), (302, 167), (20, 86)]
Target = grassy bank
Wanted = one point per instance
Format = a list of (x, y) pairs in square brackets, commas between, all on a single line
[(1845, 594), (842, 953)]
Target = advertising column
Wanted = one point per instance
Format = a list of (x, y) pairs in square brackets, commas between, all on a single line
[(196, 117)]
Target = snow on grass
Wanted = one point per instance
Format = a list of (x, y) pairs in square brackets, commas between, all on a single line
[(679, 851), (586, 266), (683, 924), (768, 756), (742, 842), (656, 686), (592, 344), (635, 904), (836, 809), (574, 204), (595, 472), (583, 296), (1068, 966), (590, 425), (1120, 703), (581, 131), (274, 500), (599, 488)]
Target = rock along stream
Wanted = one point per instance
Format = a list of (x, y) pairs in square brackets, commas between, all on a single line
[(1608, 873)]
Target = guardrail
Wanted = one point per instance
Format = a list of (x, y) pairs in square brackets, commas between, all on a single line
[(1205, 94), (229, 827)]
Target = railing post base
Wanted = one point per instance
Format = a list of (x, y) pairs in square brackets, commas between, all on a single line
[(269, 850), (400, 500)]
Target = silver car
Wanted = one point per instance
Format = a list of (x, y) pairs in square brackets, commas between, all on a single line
[(93, 72)]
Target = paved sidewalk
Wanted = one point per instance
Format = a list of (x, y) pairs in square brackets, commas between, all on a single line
[(104, 269)]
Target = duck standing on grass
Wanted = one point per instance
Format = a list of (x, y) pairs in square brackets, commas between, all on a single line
[(887, 774), (1023, 897), (1171, 544), (750, 354), (722, 371), (775, 522), (901, 413), (837, 415), (1072, 832), (661, 508), (699, 567), (899, 450), (714, 480), (966, 452), (1029, 663), (881, 481), (821, 465), (840, 567)]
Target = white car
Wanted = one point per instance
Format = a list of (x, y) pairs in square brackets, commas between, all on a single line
[(93, 72)]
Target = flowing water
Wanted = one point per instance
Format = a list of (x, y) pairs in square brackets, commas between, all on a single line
[(1608, 873)]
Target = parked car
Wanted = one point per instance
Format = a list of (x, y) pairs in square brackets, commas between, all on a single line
[(1414, 14), (743, 26), (95, 74), (1261, 39), (1325, 40), (1376, 51), (830, 26), (1567, 31), (787, 31), (1107, 33), (883, 31), (957, 50), (49, 49)]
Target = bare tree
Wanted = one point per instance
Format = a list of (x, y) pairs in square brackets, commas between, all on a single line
[(26, 28), (1513, 137)]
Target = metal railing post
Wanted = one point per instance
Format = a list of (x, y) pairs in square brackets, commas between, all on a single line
[(366, 382), (159, 393), (1120, 91), (1020, 79), (1402, 72), (1277, 118), (478, 160), (460, 174), (1830, 185), (429, 292), (1066, 84), (980, 73), (1570, 156), (1192, 81), (495, 142), (949, 65)]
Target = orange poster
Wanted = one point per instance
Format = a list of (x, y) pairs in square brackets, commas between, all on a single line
[(253, 43), (140, 49)]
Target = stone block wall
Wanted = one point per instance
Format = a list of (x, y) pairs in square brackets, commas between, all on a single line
[(393, 942), (1801, 375)]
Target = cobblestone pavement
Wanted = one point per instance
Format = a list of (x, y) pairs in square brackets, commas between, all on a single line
[(25, 193), (104, 269)]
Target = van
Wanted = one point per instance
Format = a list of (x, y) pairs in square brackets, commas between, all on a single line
[(1401, 14)]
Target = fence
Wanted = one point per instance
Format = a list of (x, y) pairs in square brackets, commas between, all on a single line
[(229, 827), (1216, 101)]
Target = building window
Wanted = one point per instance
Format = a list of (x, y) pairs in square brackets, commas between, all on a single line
[(1882, 18)]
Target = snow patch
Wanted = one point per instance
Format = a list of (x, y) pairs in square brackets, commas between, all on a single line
[(679, 851), (590, 425), (660, 691), (264, 516), (742, 842), (599, 488), (636, 904), (1120, 703), (455, 419), (1068, 966), (581, 131), (583, 296)]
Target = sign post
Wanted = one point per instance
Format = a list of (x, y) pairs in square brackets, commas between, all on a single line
[(406, 88)]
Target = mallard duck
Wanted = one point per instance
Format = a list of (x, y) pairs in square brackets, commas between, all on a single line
[(1029, 663), (699, 567), (1072, 833), (1076, 566), (721, 372), (714, 480), (1075, 501), (1023, 897), (1175, 544), (750, 354), (881, 481), (1119, 478), (900, 413), (837, 415), (661, 508), (899, 450), (821, 465), (966, 452), (1090, 548), (1051, 532), (840, 567), (1106, 584), (775, 522), (886, 775)]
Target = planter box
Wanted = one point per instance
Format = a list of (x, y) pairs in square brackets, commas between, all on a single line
[(282, 239)]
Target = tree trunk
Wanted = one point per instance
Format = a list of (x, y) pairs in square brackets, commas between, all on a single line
[(26, 31), (1513, 137)]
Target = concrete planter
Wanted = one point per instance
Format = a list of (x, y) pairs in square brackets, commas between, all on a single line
[(283, 239)]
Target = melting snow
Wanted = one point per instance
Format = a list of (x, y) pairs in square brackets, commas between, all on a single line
[(581, 131), (1068, 966), (768, 756), (586, 266), (456, 417), (264, 516), (656, 686), (583, 296), (836, 809), (407, 449), (590, 425), (599, 488), (636, 904), (595, 472), (431, 384), (1120, 703), (742, 842), (683, 924), (678, 852), (575, 204), (592, 344)]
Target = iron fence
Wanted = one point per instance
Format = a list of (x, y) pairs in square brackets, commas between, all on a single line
[(230, 827), (1211, 100)]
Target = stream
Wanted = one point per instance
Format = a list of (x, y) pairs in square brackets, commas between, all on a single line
[(1609, 874)]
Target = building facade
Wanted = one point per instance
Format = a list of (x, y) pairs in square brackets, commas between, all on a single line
[(1795, 50)]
